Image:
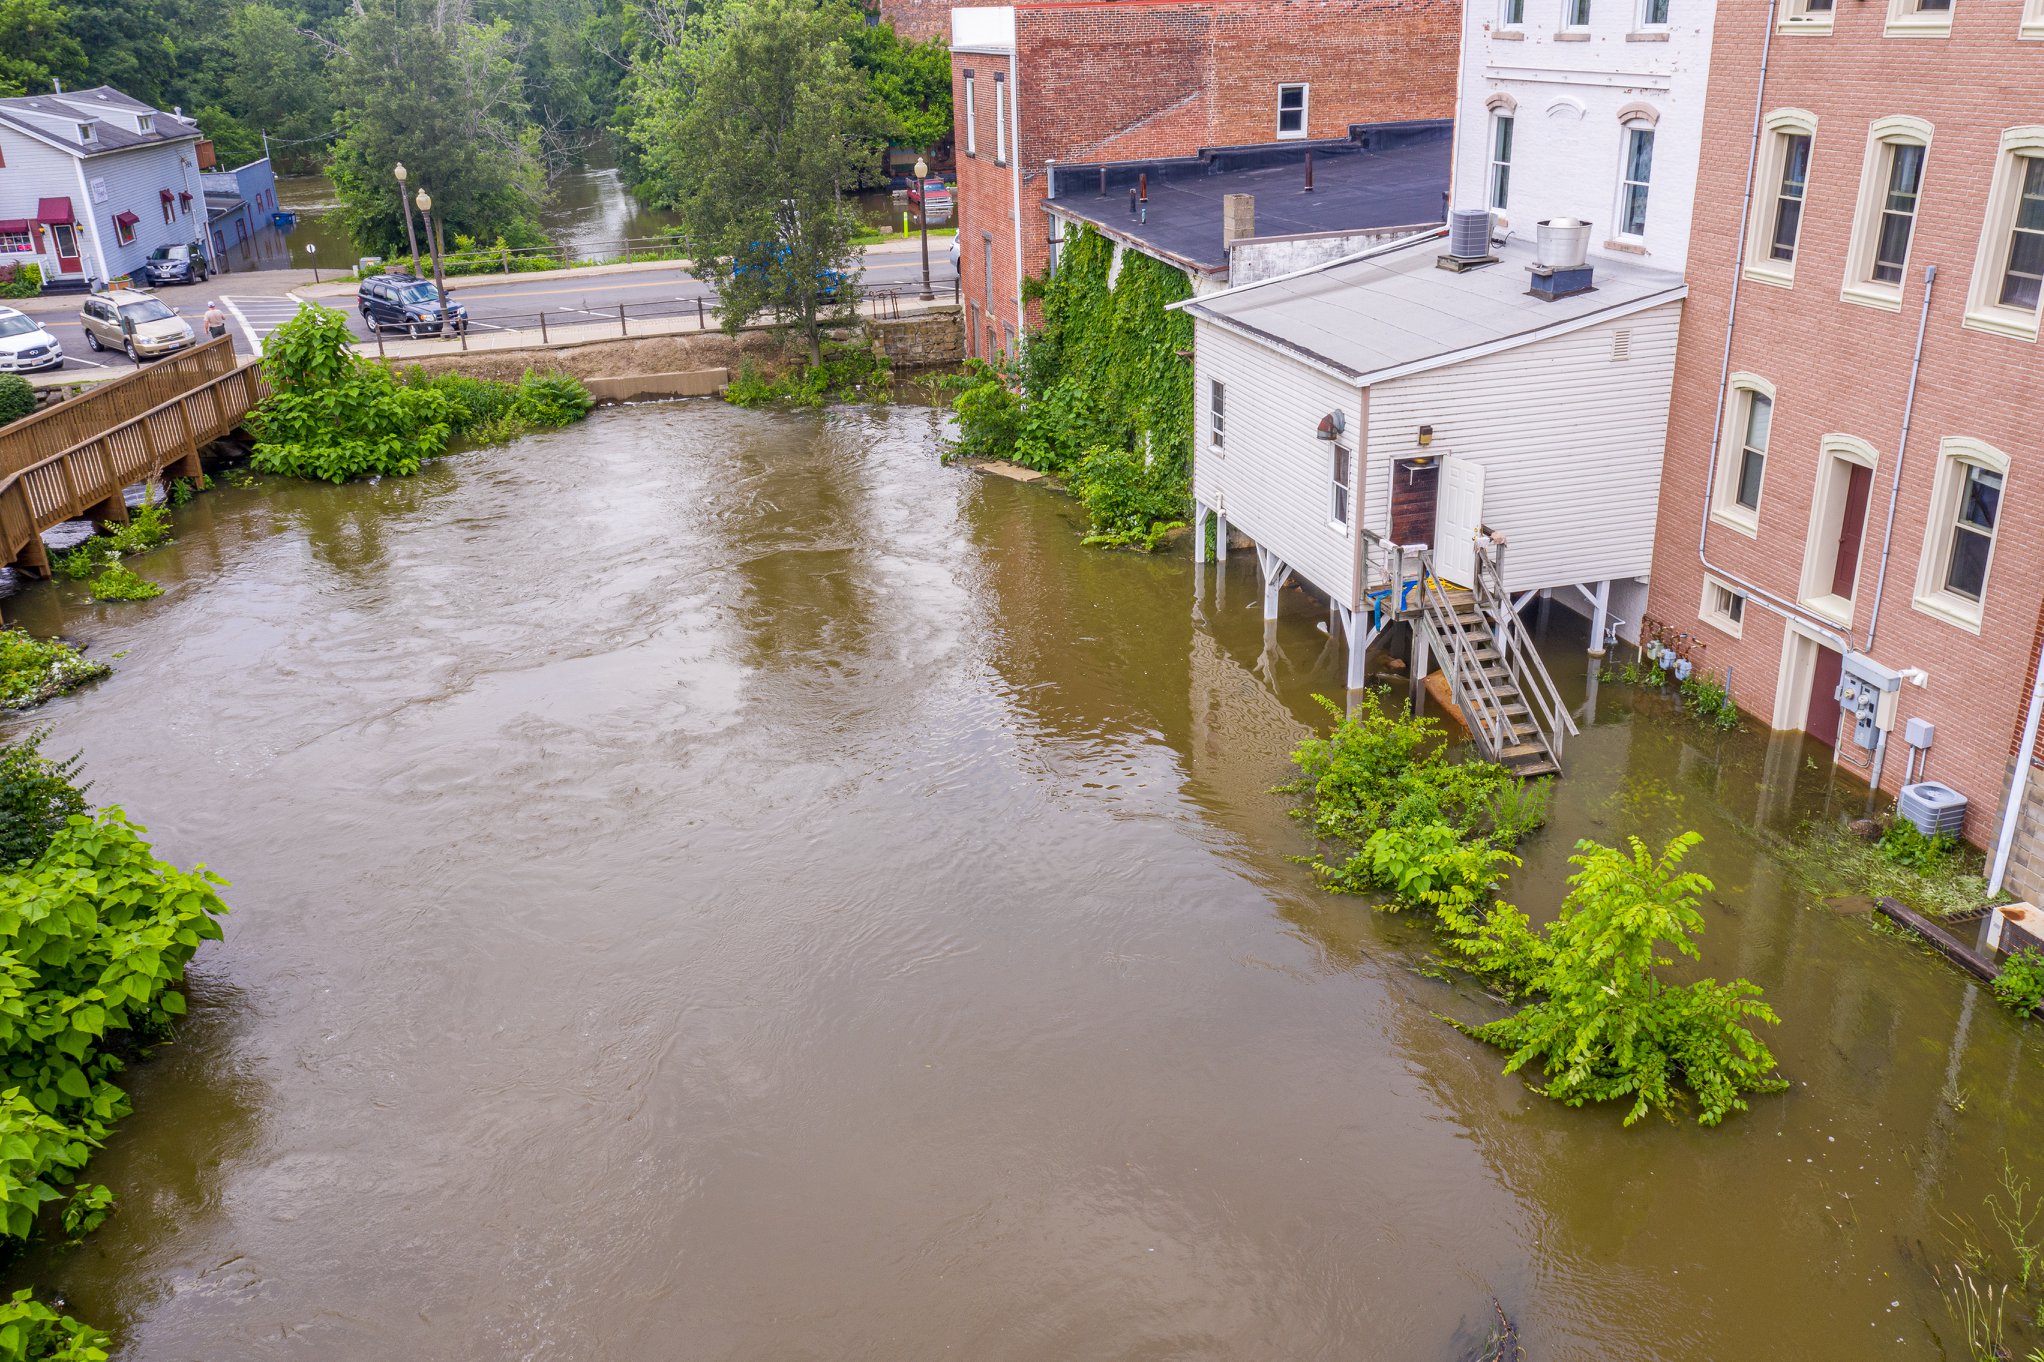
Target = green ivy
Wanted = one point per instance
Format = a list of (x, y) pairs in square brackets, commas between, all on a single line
[(118, 583), (1101, 395)]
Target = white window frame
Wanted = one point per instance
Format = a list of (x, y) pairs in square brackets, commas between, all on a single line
[(1725, 508), (1000, 118), (1569, 22), (1644, 24), (1883, 135), (2033, 20), (145, 122), (1499, 187), (1955, 454), (1510, 24), (1217, 414), (1910, 19), (1341, 491), (123, 235), (1776, 129), (1631, 128), (1827, 509), (1305, 90), (971, 123), (1811, 17), (1723, 607), (16, 243), (88, 132), (1984, 309)]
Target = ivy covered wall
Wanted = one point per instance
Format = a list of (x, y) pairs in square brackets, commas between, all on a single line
[(1100, 396)]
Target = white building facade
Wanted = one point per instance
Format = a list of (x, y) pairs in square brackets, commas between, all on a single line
[(1591, 109)]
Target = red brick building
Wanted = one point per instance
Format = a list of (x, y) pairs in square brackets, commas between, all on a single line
[(1822, 379), (917, 20), (1118, 80)]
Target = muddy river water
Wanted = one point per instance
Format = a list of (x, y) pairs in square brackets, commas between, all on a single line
[(718, 885)]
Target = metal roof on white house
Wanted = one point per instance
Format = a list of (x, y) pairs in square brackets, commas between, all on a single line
[(1394, 311)]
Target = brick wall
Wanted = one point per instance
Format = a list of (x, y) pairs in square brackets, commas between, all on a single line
[(1839, 367), (1132, 79), (919, 20)]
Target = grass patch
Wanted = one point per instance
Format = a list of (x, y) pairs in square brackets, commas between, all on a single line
[(33, 669), (1936, 876)]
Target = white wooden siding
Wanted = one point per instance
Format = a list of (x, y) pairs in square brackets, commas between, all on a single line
[(1272, 476), (1571, 439)]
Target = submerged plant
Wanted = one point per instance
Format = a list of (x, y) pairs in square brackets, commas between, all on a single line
[(34, 669), (2020, 985), (117, 583), (1706, 698)]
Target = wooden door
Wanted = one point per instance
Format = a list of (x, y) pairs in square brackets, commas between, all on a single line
[(1415, 492), (1821, 719), (64, 238), (1458, 516)]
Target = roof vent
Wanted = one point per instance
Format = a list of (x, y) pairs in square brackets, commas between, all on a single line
[(1560, 258), (1468, 239)]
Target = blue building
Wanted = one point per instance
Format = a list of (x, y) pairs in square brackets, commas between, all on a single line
[(239, 205)]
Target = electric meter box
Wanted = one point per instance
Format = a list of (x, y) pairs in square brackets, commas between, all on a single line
[(1869, 693)]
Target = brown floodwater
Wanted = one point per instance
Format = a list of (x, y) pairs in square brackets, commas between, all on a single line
[(718, 885)]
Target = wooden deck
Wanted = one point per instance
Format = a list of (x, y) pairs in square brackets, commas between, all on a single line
[(76, 458)]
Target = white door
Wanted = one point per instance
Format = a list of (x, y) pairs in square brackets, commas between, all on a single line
[(1458, 515)]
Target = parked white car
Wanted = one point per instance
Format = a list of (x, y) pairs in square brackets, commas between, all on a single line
[(25, 346)]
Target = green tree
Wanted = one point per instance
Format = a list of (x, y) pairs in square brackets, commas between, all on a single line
[(758, 126), (912, 82), (420, 82), (36, 46), (276, 83)]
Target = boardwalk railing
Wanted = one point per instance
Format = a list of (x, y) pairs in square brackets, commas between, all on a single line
[(110, 444)]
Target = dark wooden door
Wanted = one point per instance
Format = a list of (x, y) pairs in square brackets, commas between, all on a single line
[(1415, 487), (1822, 719)]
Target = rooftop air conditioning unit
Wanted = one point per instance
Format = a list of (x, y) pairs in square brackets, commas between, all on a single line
[(1561, 252), (1468, 239)]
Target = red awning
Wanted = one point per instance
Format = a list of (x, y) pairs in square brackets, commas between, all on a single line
[(13, 226), (126, 219), (184, 196), (166, 194), (53, 211)]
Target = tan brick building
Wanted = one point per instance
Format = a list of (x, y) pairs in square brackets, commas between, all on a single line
[(1126, 80), (1822, 379)]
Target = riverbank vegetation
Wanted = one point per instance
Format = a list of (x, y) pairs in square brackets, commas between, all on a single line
[(1100, 396), (1596, 1018), (33, 670), (336, 415), (98, 935), (848, 373), (17, 398)]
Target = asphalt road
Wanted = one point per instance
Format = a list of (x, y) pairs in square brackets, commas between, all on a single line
[(494, 303)]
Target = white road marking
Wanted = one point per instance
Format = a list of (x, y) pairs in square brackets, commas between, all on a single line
[(80, 359)]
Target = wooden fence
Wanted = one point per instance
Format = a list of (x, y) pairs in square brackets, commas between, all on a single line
[(82, 454)]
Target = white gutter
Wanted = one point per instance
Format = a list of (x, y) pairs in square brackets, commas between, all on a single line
[(2019, 785), (1015, 182)]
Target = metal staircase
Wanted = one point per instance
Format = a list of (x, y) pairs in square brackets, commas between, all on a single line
[(1495, 675)]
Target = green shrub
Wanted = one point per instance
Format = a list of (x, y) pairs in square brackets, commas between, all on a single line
[(24, 281), (1135, 502), (484, 411), (551, 399), (34, 669), (849, 373), (1429, 865), (37, 796), (1707, 699), (117, 583), (335, 416), (17, 398), (2020, 984), (87, 1210), (32, 1332), (1605, 1026), (1903, 845), (989, 409)]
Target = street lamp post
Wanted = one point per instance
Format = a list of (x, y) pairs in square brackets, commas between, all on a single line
[(410, 234), (923, 219), (312, 254), (425, 202)]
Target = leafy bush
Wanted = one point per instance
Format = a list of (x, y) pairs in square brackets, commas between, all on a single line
[(989, 408), (485, 411), (32, 1332), (17, 398), (849, 373), (1904, 845), (117, 583), (1430, 865), (1605, 1026), (2020, 985), (87, 1210), (147, 527), (552, 399), (1707, 699), (334, 415), (37, 796), (33, 669), (24, 280), (1135, 502)]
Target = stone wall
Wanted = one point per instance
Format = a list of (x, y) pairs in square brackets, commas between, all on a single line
[(932, 340)]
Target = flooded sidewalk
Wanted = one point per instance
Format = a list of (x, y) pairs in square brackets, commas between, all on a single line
[(717, 884)]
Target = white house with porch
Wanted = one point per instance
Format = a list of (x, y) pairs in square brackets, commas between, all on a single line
[(91, 181)]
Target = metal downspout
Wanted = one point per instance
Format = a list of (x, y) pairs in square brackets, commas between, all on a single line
[(1930, 277)]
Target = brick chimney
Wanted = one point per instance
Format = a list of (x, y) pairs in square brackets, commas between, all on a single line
[(1238, 218)]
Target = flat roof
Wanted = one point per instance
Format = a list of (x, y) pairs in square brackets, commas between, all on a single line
[(1354, 187), (1396, 311)]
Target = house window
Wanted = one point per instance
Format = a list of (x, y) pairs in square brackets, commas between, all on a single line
[(145, 123), (15, 242), (1919, 19), (1217, 402), (1338, 512), (124, 232), (1838, 526), (2008, 271), (1500, 159), (1788, 196), (2033, 20), (1638, 171), (1807, 16), (1291, 120), (1958, 546), (971, 123), (1723, 607), (1575, 13), (1741, 474), (986, 255), (1653, 14), (1513, 14), (1000, 119), (1884, 223), (87, 133)]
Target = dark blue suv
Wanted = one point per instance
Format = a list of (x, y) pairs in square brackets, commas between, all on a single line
[(401, 302)]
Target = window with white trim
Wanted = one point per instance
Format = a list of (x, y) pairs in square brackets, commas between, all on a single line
[(1918, 19), (1806, 16), (2033, 20), (971, 123), (1292, 111), (2008, 270), (1000, 118), (124, 232), (1512, 14), (1575, 13), (1634, 178), (88, 132), (1653, 14), (1834, 545), (1742, 461), (1958, 543), (1781, 185), (145, 123), (1884, 222), (1338, 507), (15, 242), (1217, 403), (1500, 159), (1723, 608)]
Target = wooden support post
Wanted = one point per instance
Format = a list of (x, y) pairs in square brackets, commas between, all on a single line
[(34, 559), (112, 510), (621, 321), (542, 326)]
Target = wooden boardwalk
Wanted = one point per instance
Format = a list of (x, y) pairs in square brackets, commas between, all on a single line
[(77, 458)]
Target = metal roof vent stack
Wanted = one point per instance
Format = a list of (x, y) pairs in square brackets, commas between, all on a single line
[(1468, 240), (1561, 251)]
